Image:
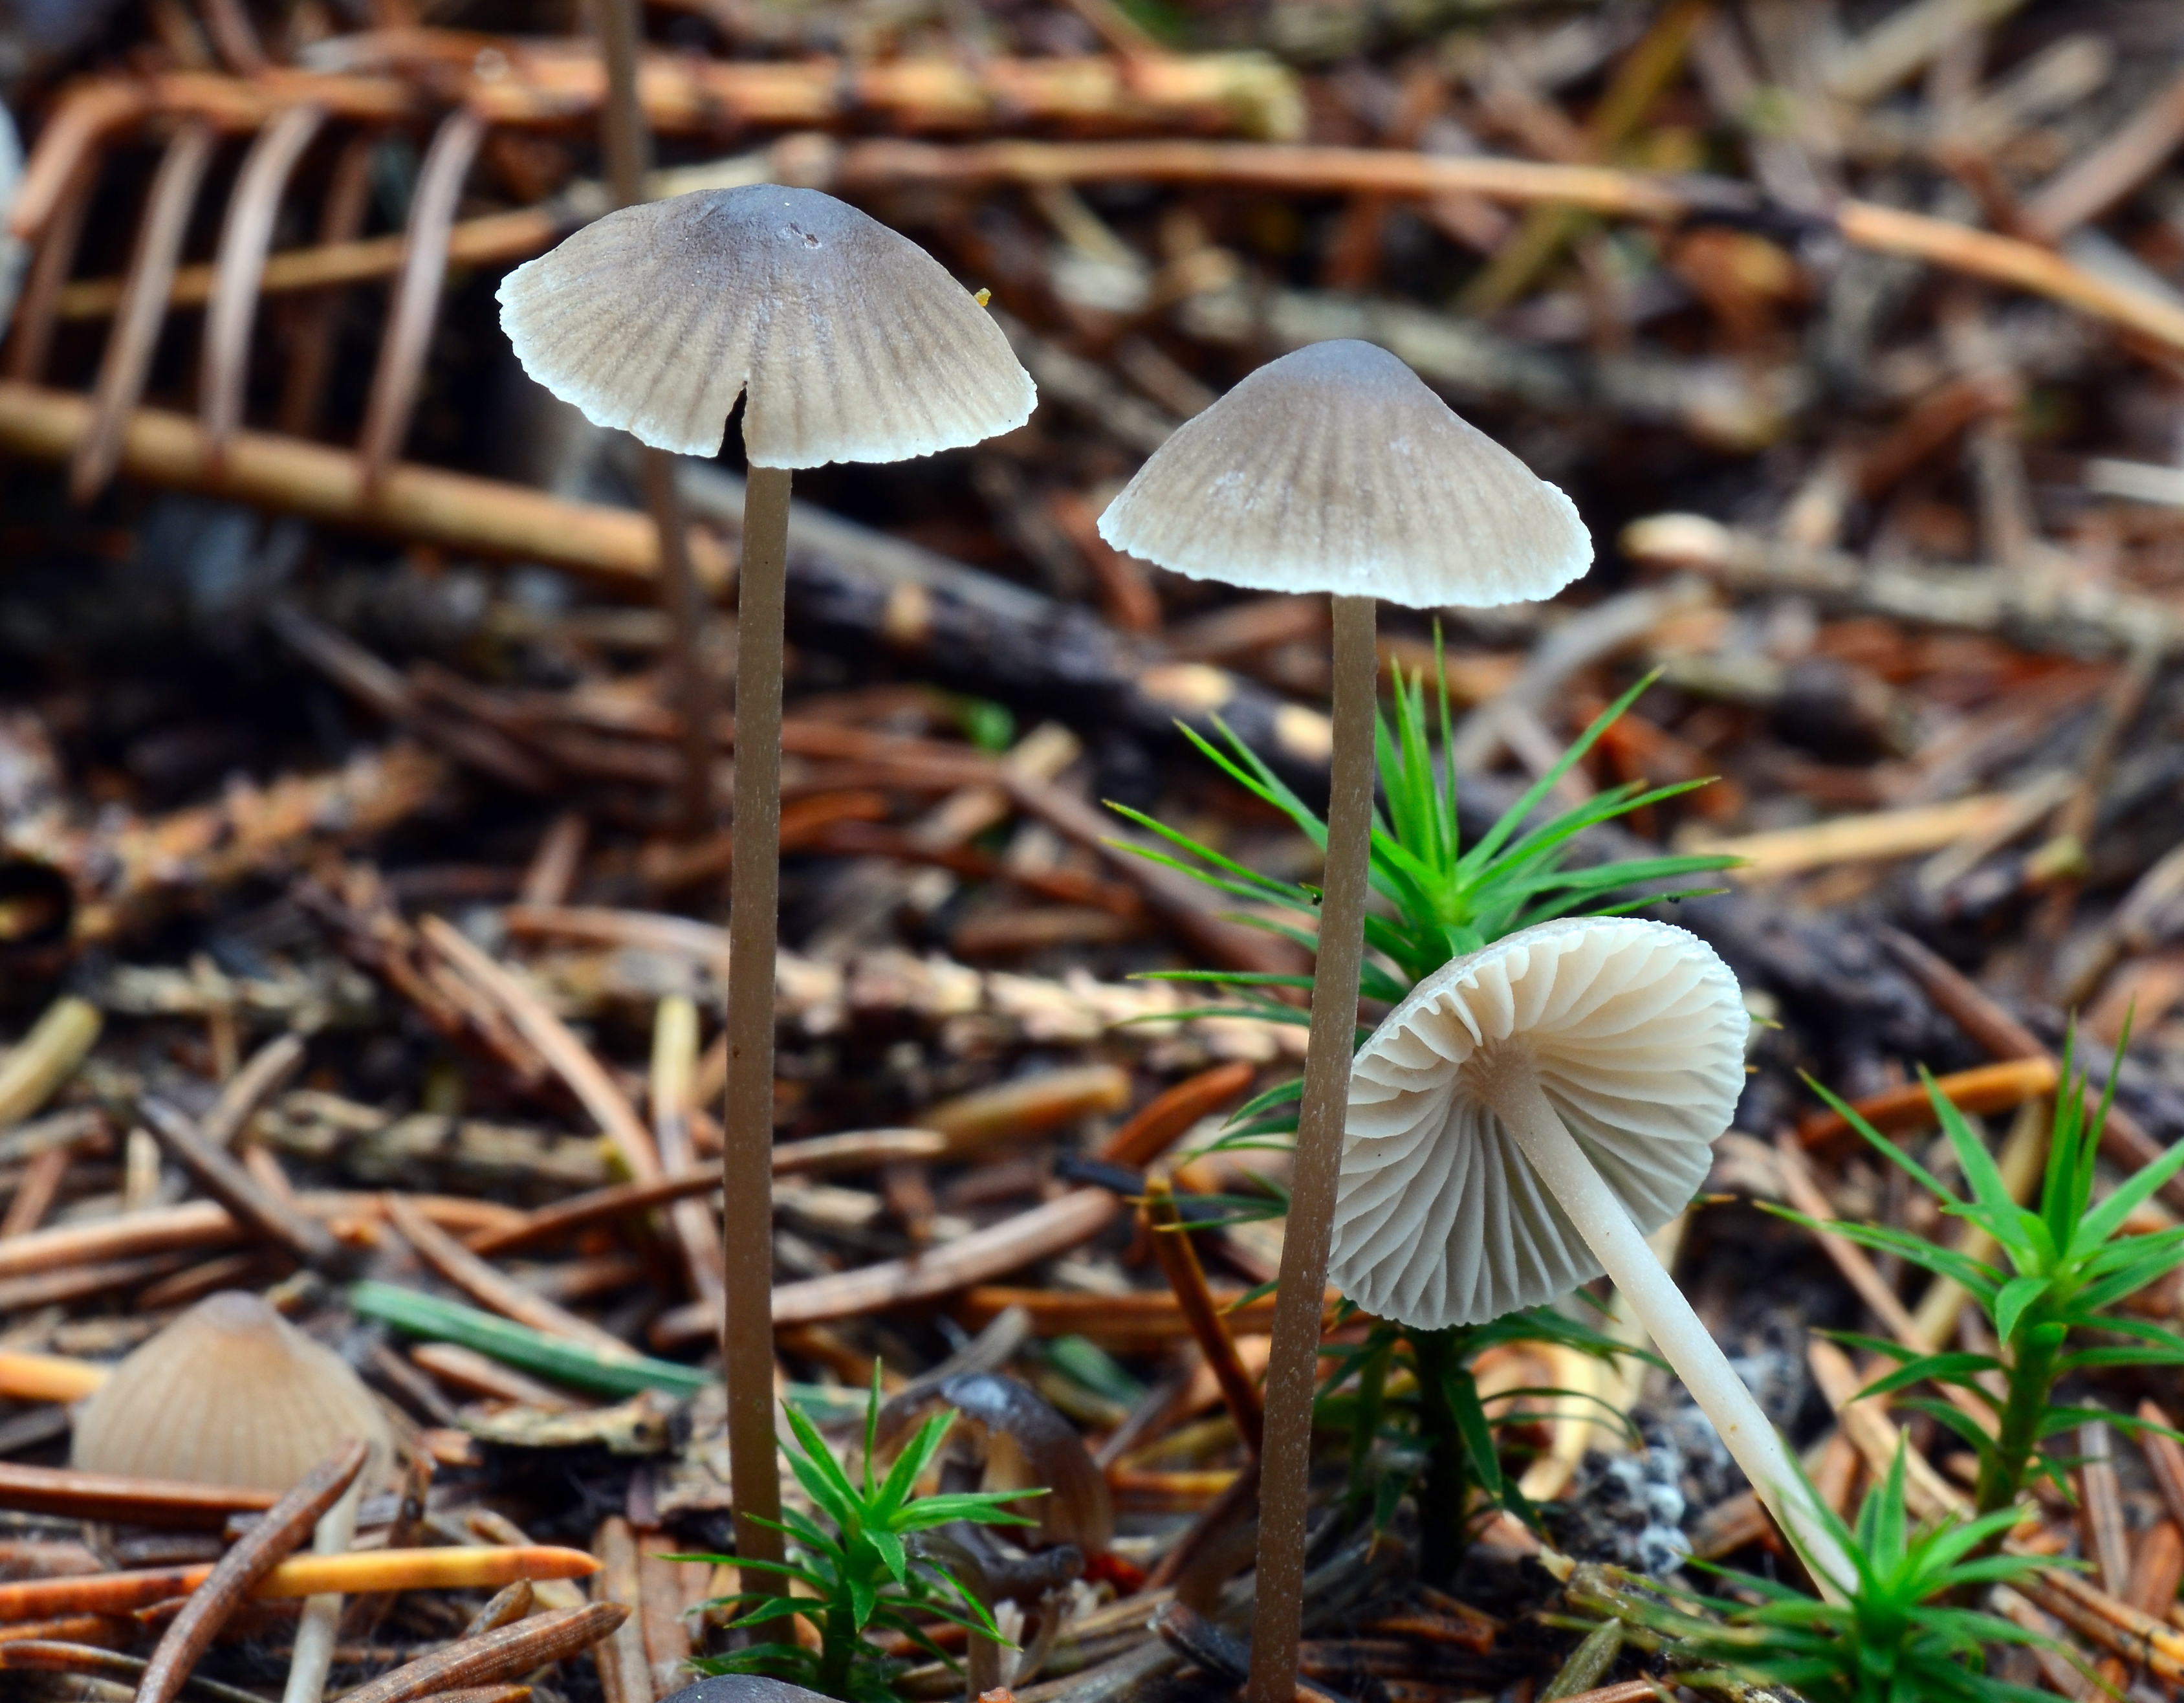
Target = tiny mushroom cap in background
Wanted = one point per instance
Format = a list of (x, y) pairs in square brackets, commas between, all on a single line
[(229, 1394), (1519, 1122), (1028, 1445), (1020, 1441), (855, 343), (1335, 469), (1635, 1031)]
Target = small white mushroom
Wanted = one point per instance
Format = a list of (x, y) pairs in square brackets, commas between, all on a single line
[(1521, 1120), (847, 343), (1335, 470), (854, 344)]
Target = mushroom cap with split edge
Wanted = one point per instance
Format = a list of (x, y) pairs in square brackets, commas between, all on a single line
[(854, 344), (1635, 1031), (1335, 469)]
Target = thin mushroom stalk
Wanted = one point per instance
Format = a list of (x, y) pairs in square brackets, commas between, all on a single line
[(1523, 1118), (1335, 470), (754, 928), (1293, 1360), (313, 1654), (1684, 1342), (846, 341)]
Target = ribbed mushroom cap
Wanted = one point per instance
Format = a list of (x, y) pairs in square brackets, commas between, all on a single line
[(855, 343), (1335, 469), (1635, 1030), (229, 1394)]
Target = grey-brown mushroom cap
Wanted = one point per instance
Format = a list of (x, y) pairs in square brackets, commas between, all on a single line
[(1636, 1031), (854, 344), (1335, 469), (230, 1393)]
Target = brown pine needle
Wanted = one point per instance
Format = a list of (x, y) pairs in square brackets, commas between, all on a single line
[(347, 1575), (497, 1655), (233, 1577)]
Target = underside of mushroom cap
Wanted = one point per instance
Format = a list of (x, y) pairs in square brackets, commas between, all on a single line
[(854, 344), (1335, 469), (229, 1394), (1636, 1032)]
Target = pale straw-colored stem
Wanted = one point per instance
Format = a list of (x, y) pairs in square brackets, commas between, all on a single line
[(313, 1654), (754, 924), (1685, 1343), (1293, 1361)]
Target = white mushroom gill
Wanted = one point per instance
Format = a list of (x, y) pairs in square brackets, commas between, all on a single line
[(1521, 1120)]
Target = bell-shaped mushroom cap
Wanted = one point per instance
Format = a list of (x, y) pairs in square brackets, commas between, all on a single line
[(855, 343), (1028, 1446), (1335, 469), (1635, 1031), (229, 1394)]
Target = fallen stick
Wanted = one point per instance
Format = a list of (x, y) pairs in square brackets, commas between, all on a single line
[(326, 484), (575, 1063), (47, 1377), (2082, 618), (1877, 835), (118, 1500), (33, 1069), (1186, 1278), (1147, 1322), (1983, 1089), (494, 1290), (2123, 1142), (852, 1150), (202, 1224), (502, 1654), (1394, 173), (850, 587), (240, 1573), (55, 1655), (1038, 1234), (221, 1175), (301, 1575)]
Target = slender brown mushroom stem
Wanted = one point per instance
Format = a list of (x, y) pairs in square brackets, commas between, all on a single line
[(754, 895), (1293, 1364), (628, 148)]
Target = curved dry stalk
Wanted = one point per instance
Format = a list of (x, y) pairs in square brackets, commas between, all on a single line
[(242, 1567), (497, 1655)]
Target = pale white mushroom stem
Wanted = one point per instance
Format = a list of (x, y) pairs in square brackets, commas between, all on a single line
[(1685, 1343), (313, 1656)]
